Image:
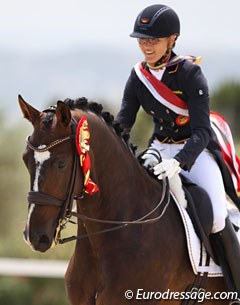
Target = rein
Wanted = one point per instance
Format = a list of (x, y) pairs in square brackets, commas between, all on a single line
[(122, 224), (43, 199)]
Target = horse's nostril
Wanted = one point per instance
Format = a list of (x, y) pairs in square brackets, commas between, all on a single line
[(41, 242), (43, 239)]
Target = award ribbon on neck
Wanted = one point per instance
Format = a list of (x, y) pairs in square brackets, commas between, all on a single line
[(83, 147)]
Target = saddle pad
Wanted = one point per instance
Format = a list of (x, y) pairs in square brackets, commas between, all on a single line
[(194, 244)]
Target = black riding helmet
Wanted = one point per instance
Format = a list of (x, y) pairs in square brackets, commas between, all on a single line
[(156, 21)]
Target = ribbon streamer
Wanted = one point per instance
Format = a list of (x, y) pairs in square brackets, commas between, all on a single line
[(83, 147), (224, 135)]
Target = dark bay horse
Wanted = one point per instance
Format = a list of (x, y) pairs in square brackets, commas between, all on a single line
[(148, 256)]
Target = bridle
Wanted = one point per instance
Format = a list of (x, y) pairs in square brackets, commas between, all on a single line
[(43, 199), (40, 198)]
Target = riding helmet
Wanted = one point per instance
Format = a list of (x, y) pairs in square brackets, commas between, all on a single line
[(156, 21)]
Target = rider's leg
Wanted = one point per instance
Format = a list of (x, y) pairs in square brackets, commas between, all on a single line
[(227, 250), (206, 173)]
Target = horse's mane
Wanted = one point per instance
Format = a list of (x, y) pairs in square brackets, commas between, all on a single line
[(85, 105)]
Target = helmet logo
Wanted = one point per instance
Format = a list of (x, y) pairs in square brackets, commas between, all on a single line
[(144, 20)]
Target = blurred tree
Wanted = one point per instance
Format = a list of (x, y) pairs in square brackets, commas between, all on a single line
[(142, 130), (226, 101), (12, 180), (22, 291)]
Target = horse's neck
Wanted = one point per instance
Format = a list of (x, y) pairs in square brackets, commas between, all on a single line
[(115, 165), (122, 182)]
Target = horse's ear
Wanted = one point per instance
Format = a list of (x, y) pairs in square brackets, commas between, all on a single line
[(30, 113), (63, 114)]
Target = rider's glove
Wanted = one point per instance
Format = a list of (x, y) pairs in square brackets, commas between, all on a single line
[(167, 168), (150, 158)]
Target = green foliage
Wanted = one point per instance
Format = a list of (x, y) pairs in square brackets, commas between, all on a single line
[(12, 177), (238, 149), (14, 291), (142, 130), (226, 101), (22, 291)]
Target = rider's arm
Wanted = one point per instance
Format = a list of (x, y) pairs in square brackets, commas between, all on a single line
[(196, 89), (130, 105)]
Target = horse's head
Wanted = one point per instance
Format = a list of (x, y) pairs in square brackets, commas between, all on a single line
[(50, 164)]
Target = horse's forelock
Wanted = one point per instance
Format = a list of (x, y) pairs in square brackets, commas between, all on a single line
[(48, 119)]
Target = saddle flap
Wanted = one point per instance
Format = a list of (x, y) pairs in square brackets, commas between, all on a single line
[(200, 211)]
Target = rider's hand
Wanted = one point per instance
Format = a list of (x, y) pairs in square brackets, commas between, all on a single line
[(150, 158), (167, 168)]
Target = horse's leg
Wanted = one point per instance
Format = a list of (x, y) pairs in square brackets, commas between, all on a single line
[(80, 277), (185, 277)]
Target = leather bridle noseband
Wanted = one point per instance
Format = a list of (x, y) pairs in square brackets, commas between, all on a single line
[(40, 198)]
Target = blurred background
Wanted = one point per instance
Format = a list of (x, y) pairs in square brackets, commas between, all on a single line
[(51, 50)]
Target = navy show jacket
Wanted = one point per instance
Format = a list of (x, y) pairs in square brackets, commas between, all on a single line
[(188, 82)]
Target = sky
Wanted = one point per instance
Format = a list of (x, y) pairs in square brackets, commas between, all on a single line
[(45, 25), (34, 33)]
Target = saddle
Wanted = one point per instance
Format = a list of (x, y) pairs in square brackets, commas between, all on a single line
[(200, 210)]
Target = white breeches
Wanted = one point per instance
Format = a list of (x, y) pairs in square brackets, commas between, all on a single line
[(205, 173)]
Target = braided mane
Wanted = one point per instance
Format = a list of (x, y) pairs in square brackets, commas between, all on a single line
[(85, 105)]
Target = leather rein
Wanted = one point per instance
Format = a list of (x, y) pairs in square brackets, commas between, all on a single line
[(44, 199)]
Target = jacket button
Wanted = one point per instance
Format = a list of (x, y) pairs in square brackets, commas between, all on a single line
[(172, 124), (161, 128), (152, 112), (167, 111), (160, 120), (176, 130)]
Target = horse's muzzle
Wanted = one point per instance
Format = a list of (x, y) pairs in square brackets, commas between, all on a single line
[(39, 241)]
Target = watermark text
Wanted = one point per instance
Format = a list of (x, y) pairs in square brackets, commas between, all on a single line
[(195, 294)]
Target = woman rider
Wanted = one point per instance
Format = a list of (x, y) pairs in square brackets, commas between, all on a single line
[(182, 131)]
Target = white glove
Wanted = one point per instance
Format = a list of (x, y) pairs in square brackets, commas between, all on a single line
[(167, 168), (151, 158)]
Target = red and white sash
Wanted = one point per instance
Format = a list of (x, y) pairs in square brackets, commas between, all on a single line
[(167, 98), (224, 135), (160, 91)]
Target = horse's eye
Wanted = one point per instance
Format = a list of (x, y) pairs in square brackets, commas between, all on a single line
[(61, 164)]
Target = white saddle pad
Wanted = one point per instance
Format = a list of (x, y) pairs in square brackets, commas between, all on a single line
[(194, 244)]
